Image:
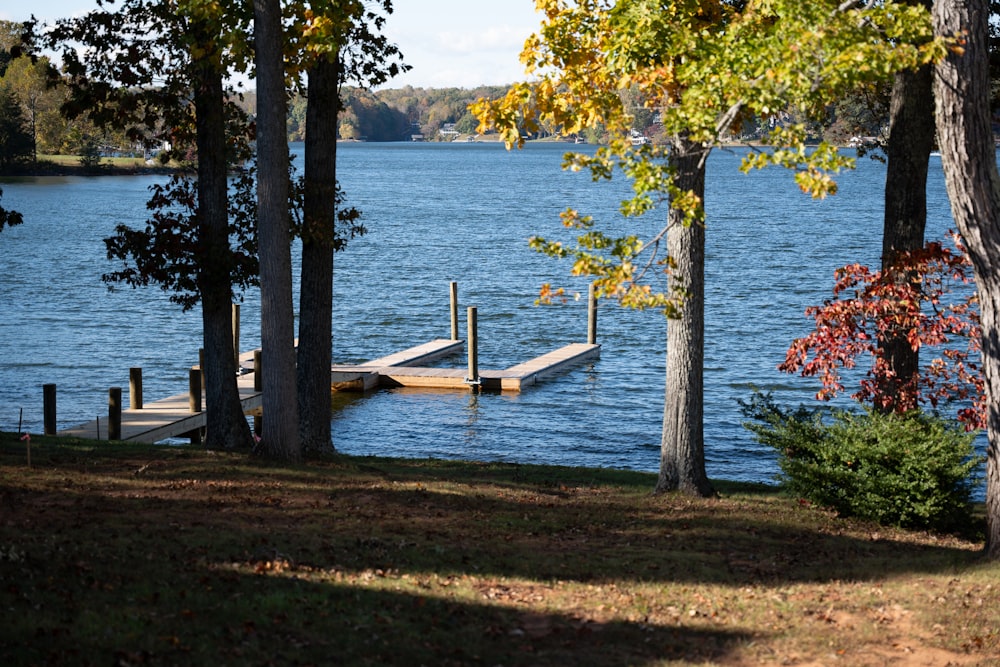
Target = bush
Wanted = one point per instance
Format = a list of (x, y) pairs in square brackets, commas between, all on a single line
[(16, 142), (913, 470), (90, 155)]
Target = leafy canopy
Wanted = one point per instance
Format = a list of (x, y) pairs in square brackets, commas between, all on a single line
[(137, 72), (16, 144), (869, 307), (704, 66), (9, 218), (131, 65), (348, 30), (168, 250)]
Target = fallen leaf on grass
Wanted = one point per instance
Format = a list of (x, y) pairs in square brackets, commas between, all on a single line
[(535, 626)]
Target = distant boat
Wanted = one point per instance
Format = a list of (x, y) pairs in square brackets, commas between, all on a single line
[(579, 140)]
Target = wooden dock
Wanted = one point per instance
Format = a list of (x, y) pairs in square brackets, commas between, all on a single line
[(399, 371), (172, 417), (514, 378), (167, 418)]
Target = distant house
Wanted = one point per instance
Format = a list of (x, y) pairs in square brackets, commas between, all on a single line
[(448, 130), (859, 142)]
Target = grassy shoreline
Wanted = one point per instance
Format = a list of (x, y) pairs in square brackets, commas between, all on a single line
[(69, 165), (132, 554)]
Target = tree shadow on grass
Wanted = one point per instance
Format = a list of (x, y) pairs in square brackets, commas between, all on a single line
[(280, 620), (398, 516), (557, 531), (339, 564)]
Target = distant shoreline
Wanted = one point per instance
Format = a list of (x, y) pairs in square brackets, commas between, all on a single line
[(69, 165)]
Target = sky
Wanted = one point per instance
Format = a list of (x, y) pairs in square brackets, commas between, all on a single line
[(449, 43)]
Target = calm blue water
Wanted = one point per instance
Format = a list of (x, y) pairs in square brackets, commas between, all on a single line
[(438, 213)]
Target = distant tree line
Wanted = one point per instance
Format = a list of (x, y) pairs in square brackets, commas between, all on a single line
[(436, 114), (400, 114), (31, 123)]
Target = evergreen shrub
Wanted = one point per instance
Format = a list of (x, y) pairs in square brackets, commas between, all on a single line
[(913, 470), (90, 155)]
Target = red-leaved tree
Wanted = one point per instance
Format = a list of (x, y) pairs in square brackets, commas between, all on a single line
[(869, 306)]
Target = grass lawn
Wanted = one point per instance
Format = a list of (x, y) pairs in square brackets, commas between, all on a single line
[(70, 165), (115, 554)]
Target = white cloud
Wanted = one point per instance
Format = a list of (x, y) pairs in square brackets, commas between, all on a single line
[(461, 43), (449, 43), (507, 39)]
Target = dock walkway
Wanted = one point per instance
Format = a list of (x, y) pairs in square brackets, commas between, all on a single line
[(169, 417), (172, 417)]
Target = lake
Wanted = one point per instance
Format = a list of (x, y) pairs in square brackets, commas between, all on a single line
[(457, 212)]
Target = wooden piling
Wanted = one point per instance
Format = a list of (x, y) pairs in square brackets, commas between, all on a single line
[(194, 400), (194, 389), (258, 384), (135, 388), (201, 365), (236, 334), (49, 408), (26, 437), (454, 310), (473, 347), (195, 435), (115, 413), (592, 316)]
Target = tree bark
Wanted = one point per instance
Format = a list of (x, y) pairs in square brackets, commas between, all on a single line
[(316, 289), (682, 446), (968, 155), (226, 425), (911, 139), (280, 434)]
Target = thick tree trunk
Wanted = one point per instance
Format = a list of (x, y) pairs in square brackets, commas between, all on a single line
[(682, 446), (911, 139), (968, 154), (280, 436), (226, 425), (316, 291)]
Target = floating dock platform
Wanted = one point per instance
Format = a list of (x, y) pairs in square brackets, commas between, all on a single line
[(373, 374)]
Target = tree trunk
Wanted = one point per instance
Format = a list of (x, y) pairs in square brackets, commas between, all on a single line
[(968, 155), (226, 425), (316, 290), (280, 435), (682, 447), (911, 138)]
